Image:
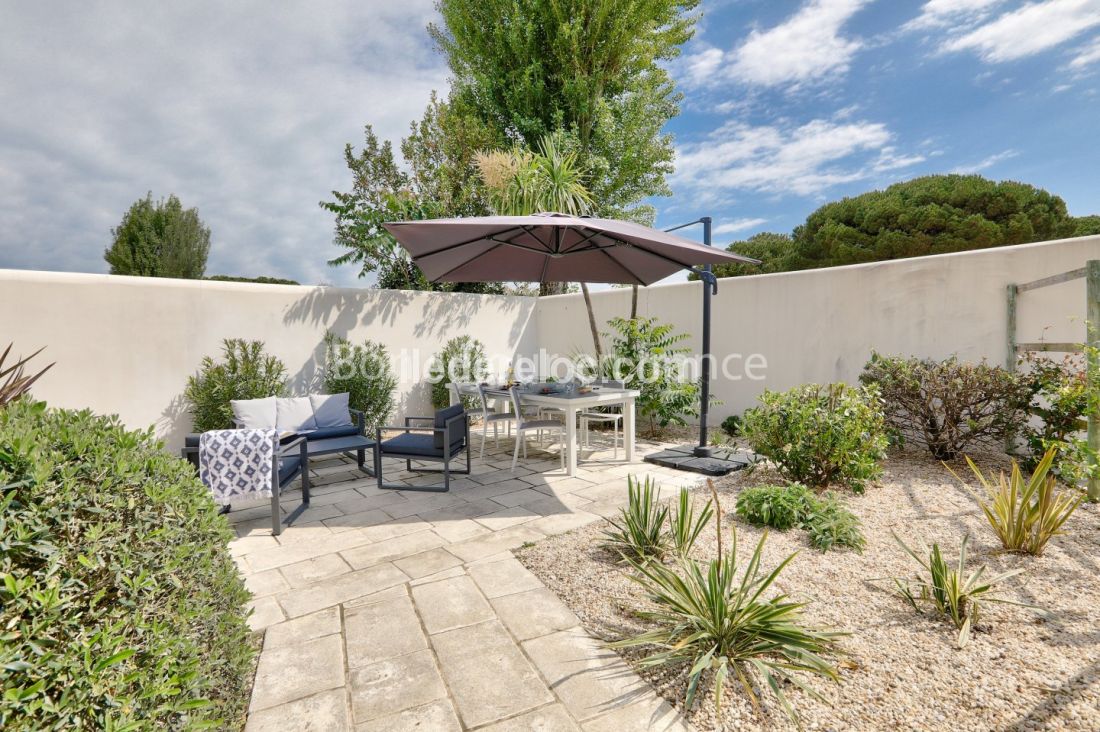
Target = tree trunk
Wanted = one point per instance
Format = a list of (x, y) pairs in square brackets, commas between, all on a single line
[(592, 321), (633, 302)]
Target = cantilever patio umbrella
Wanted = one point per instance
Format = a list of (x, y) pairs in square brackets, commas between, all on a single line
[(551, 247)]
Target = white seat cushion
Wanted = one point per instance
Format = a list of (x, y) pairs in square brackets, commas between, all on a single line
[(254, 414), (294, 414), (330, 410)]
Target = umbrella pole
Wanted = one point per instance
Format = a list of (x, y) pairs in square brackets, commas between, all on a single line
[(703, 449)]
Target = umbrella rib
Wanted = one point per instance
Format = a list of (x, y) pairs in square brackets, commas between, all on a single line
[(483, 237), (463, 263), (629, 271)]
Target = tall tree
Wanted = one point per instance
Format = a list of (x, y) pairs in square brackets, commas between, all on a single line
[(159, 239), (589, 67), (439, 178)]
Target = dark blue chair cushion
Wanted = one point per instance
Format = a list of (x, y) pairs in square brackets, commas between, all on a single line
[(326, 432), (441, 418), (287, 468), (416, 445)]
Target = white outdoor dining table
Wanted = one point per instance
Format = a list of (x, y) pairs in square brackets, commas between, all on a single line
[(574, 402)]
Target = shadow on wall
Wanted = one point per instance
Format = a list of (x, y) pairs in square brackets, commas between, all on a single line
[(175, 422)]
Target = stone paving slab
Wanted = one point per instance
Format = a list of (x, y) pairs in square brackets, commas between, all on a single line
[(392, 610)]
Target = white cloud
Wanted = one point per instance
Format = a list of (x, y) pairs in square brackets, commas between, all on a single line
[(1028, 30), (242, 109), (803, 160), (732, 227), (806, 47), (986, 163), (1086, 56), (951, 13)]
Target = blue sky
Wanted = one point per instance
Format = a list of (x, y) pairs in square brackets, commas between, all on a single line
[(242, 109)]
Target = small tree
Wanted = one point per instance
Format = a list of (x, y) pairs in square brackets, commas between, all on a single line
[(159, 239), (245, 373), (365, 373), (462, 359), (645, 355)]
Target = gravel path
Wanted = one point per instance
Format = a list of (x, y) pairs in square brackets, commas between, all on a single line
[(1021, 671)]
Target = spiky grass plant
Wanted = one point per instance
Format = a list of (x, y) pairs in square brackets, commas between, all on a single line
[(685, 525), (829, 525), (1025, 514), (14, 382), (714, 621), (950, 590), (640, 533)]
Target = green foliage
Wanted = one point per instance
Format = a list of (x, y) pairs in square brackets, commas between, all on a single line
[(645, 355), (439, 179), (934, 214), (820, 435), (159, 239), (246, 372), (950, 590), (731, 425), (255, 280), (829, 524), (530, 68), (462, 359), (521, 182), (1025, 515), (685, 525), (640, 533), (14, 382), (1059, 407), (947, 405), (365, 373), (119, 603), (780, 506), (716, 625), (1086, 226)]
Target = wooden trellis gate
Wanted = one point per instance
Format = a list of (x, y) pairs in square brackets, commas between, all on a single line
[(1091, 273)]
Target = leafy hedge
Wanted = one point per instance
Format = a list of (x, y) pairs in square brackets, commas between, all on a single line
[(120, 607)]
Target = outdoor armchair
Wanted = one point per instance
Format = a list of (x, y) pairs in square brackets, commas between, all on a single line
[(290, 461), (440, 438)]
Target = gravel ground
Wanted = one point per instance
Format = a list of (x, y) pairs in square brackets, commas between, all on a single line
[(1022, 670)]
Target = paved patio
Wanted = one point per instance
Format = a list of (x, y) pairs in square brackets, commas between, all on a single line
[(394, 610)]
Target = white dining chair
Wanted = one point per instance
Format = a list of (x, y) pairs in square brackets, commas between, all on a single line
[(613, 416), (524, 424), (491, 416)]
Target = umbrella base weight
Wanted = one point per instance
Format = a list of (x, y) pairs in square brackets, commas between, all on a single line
[(720, 461)]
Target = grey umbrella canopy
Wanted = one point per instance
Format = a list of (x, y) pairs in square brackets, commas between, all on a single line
[(549, 247)]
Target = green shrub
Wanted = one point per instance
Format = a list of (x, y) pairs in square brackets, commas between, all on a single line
[(946, 405), (462, 359), (710, 621), (245, 373), (1059, 407), (644, 354), (365, 373), (640, 532), (778, 506), (120, 606), (731, 425), (829, 524), (820, 435)]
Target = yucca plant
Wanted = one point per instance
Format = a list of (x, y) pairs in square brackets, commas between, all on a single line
[(640, 533), (1026, 514), (684, 525), (14, 382), (950, 590), (716, 622)]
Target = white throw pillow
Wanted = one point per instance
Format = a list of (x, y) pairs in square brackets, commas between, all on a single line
[(294, 414), (330, 410), (254, 414)]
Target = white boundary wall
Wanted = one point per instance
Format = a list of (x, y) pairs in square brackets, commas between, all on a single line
[(821, 325), (126, 345)]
